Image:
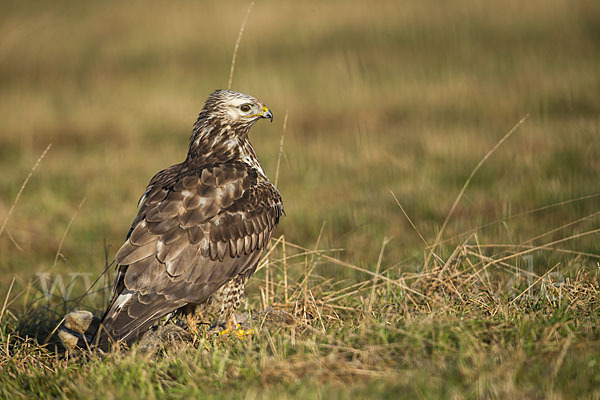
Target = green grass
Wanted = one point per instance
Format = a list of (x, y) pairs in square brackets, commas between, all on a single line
[(405, 98)]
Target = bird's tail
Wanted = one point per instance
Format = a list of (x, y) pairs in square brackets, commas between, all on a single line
[(129, 316)]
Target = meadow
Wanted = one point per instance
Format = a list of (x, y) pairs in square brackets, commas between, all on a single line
[(439, 164)]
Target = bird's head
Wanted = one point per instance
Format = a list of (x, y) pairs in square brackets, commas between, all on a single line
[(236, 108), (221, 130)]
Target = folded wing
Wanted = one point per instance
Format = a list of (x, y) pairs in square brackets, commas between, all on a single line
[(194, 231)]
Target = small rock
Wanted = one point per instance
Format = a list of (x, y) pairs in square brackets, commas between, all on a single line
[(82, 321), (78, 329)]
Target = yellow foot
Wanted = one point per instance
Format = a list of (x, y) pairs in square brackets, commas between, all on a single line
[(242, 333), (237, 331)]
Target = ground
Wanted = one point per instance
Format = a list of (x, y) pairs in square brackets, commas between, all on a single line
[(388, 110)]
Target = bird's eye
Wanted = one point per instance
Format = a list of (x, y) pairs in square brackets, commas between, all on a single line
[(245, 107)]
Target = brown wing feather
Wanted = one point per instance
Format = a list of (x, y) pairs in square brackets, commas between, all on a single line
[(194, 231)]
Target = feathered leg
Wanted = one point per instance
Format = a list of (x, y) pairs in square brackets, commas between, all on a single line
[(231, 297)]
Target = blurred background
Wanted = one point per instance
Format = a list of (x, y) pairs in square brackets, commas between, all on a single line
[(393, 97)]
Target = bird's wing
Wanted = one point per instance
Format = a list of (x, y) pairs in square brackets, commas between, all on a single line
[(194, 232)]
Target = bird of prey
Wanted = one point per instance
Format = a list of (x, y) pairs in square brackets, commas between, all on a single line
[(201, 226)]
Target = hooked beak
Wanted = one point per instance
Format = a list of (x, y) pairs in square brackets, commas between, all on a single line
[(266, 113)]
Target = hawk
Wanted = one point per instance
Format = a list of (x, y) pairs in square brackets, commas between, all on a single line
[(200, 228)]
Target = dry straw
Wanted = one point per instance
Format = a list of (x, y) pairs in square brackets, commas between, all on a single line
[(12, 207), (237, 45), (468, 181)]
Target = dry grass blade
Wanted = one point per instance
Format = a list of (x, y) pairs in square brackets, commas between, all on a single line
[(533, 284), (377, 269), (518, 215), (12, 207), (285, 273), (265, 257), (12, 239), (285, 118), (525, 246), (54, 331), (314, 253), (409, 220), (357, 268), (586, 218), (468, 181), (547, 245), (6, 298), (237, 45), (64, 236)]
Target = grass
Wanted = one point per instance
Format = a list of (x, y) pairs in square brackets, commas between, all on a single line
[(386, 103)]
